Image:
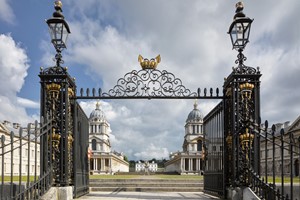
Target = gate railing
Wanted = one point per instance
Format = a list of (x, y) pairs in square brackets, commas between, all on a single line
[(282, 150), (213, 151), (22, 176)]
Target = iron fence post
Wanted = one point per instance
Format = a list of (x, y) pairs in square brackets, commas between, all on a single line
[(291, 137), (12, 162), (266, 156), (2, 162), (282, 161), (20, 160)]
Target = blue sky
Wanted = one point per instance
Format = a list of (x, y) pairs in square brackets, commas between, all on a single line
[(108, 35)]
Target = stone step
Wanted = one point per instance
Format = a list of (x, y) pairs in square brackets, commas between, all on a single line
[(144, 180), (145, 185), (146, 189)]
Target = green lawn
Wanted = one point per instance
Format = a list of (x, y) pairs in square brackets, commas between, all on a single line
[(286, 179), (16, 178)]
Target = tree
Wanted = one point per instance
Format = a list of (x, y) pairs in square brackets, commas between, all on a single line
[(125, 158)]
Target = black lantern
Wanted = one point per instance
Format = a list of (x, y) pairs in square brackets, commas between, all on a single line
[(239, 30), (58, 28)]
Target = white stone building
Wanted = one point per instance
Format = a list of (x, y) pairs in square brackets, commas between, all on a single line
[(102, 159), (288, 128), (189, 160), (20, 161), (143, 167)]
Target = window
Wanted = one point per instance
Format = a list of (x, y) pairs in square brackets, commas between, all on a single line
[(214, 148), (199, 145), (94, 144)]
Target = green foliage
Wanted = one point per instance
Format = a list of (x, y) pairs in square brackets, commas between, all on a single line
[(131, 164), (125, 158)]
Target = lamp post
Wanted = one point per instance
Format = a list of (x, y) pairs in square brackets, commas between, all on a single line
[(239, 31), (59, 31), (242, 103), (57, 92)]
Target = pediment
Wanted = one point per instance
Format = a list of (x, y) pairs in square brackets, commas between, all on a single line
[(200, 137), (295, 125)]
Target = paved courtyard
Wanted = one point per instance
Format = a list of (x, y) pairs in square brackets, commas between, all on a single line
[(146, 195)]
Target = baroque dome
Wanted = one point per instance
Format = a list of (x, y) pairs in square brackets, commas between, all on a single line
[(195, 114), (98, 113)]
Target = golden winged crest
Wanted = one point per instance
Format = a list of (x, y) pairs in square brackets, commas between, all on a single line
[(149, 64)]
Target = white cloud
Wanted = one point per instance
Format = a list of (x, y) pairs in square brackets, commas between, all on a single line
[(152, 151), (6, 12), (27, 103), (192, 40), (13, 67)]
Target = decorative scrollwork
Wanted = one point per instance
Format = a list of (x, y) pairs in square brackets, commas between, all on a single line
[(241, 68), (54, 71), (149, 83)]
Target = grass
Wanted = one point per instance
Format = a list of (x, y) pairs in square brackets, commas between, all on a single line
[(286, 179), (16, 178)]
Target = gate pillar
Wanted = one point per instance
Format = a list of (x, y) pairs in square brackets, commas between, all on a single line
[(57, 90), (242, 118), (241, 111)]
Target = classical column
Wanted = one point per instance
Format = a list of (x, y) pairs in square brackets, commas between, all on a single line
[(102, 164), (109, 164), (181, 163), (96, 164)]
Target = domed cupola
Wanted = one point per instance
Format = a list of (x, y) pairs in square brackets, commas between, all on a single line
[(97, 114), (195, 114)]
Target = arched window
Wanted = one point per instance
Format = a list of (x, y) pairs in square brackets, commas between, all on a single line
[(94, 144), (199, 145)]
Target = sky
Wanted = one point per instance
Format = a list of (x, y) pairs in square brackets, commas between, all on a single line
[(108, 35)]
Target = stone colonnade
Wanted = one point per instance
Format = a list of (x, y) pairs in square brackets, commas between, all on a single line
[(100, 165), (191, 165)]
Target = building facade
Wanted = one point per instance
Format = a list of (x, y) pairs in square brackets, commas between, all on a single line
[(188, 161), (288, 128), (146, 166), (102, 159), (24, 160)]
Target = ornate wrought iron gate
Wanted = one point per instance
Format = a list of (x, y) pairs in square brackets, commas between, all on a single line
[(214, 151), (81, 143)]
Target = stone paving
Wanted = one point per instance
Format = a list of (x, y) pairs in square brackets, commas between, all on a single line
[(146, 195)]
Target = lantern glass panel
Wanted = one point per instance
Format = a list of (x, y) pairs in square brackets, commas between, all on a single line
[(59, 34)]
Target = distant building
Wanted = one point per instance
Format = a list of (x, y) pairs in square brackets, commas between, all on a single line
[(102, 159), (288, 128), (5, 129), (146, 166), (188, 161)]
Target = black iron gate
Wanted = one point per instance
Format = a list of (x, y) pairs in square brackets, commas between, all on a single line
[(214, 151), (81, 143)]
